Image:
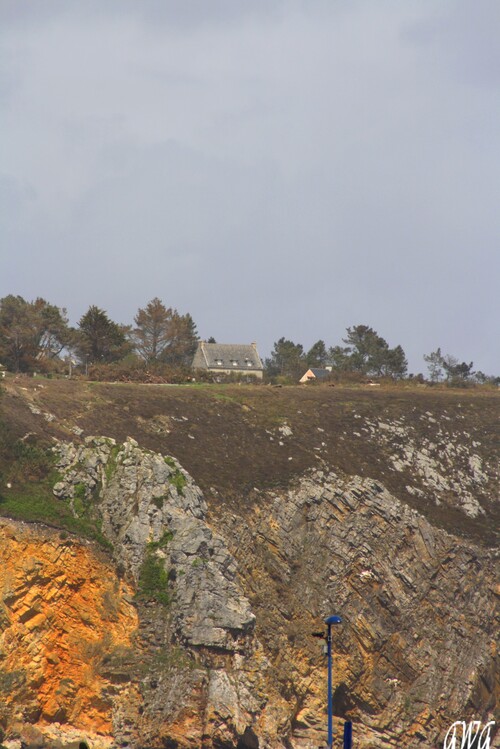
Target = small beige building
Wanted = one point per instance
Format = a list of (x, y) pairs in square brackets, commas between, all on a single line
[(315, 374), (225, 358)]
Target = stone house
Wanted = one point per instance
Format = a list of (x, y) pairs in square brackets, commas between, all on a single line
[(224, 358)]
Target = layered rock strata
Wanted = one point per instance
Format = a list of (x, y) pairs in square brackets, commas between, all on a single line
[(64, 615), (417, 649), (197, 632)]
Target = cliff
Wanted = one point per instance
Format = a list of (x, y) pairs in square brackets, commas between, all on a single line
[(204, 534)]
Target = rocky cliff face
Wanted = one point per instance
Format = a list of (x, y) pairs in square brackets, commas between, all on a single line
[(410, 595), (65, 618), (194, 627), (199, 679)]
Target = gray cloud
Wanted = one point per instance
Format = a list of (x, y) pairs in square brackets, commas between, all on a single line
[(272, 168), (188, 14)]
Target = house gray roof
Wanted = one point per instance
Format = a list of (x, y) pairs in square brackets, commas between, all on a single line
[(320, 374), (224, 355)]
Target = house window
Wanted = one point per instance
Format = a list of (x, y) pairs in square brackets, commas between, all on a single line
[(249, 363), (219, 362), (235, 363)]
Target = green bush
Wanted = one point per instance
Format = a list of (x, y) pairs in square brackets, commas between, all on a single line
[(80, 505), (163, 541), (112, 461), (30, 461), (153, 579), (178, 480)]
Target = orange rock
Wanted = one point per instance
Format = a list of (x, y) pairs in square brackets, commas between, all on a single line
[(65, 611)]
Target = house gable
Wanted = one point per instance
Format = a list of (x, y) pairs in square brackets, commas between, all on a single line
[(315, 374)]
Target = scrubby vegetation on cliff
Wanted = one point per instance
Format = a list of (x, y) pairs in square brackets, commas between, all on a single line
[(28, 474)]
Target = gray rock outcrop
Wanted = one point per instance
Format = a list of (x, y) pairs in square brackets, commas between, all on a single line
[(147, 501)]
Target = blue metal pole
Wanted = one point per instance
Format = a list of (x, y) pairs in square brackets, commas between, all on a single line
[(330, 696), (348, 734), (329, 621)]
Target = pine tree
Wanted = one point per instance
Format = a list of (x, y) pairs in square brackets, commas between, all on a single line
[(100, 340), (162, 335), (317, 355), (287, 359)]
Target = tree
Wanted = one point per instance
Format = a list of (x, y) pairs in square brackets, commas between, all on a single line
[(395, 363), (184, 338), (100, 340), (54, 333), (366, 349), (340, 358), (483, 379), (31, 332), (317, 355), (369, 353), (162, 335), (152, 332), (17, 339), (456, 370), (435, 365), (287, 359)]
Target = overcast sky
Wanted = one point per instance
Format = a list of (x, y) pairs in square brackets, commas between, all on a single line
[(274, 167)]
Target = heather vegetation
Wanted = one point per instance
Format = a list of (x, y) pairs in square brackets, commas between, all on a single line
[(159, 347), (27, 477)]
